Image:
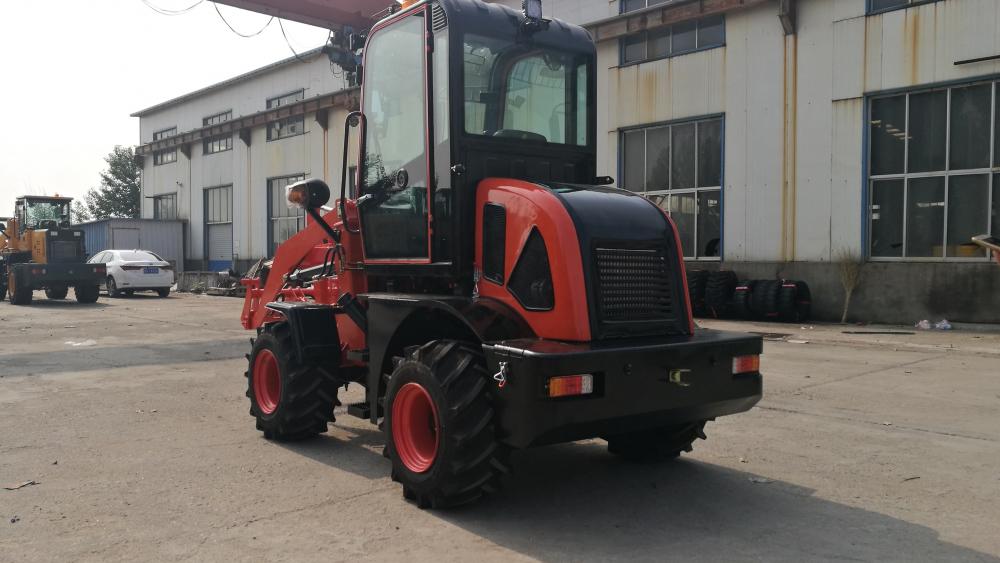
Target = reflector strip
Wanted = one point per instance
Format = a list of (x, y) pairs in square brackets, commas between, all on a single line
[(746, 364), (569, 385)]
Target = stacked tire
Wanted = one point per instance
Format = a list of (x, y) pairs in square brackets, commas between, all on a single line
[(720, 295), (711, 292)]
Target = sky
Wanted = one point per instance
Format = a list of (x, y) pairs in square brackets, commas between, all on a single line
[(72, 71)]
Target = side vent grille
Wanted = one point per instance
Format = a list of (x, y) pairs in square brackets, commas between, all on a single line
[(439, 20), (494, 242), (531, 280)]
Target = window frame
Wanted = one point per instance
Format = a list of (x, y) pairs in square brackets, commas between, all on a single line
[(271, 218), (622, 63), (275, 128), (696, 190), (166, 156), (622, 10), (159, 197), (992, 172), (869, 11)]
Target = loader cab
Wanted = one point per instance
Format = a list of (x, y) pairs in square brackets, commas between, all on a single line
[(42, 213), (453, 92)]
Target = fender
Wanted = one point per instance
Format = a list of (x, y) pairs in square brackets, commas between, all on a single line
[(405, 320)]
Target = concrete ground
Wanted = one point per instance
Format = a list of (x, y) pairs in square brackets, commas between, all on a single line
[(131, 417)]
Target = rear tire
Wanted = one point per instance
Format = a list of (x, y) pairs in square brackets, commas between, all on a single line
[(57, 292), (18, 295), (291, 401), (87, 293), (112, 287), (164, 292), (439, 426), (658, 444)]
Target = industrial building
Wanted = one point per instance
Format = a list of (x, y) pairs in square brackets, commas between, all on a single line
[(220, 158), (781, 135)]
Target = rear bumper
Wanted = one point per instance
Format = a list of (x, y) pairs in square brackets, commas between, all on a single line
[(637, 385), (71, 273), (139, 280)]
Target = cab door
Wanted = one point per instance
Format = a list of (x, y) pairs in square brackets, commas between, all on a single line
[(395, 163)]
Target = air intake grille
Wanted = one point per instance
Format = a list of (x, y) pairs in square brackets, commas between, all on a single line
[(633, 285), (439, 20)]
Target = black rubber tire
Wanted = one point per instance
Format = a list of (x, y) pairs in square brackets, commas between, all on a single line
[(719, 292), (112, 287), (659, 444), (742, 298), (788, 311), (308, 392), (57, 292), (803, 301), (697, 280), (470, 461), (764, 304), (18, 295), (163, 292), (87, 293)]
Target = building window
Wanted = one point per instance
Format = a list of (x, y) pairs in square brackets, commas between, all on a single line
[(165, 206), (679, 167), (285, 221), (222, 143), (288, 127), (633, 5), (673, 40), (219, 227), (932, 178), (218, 143), (879, 6), (165, 156), (217, 118)]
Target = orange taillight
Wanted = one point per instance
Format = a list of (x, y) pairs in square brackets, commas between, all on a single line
[(570, 385), (746, 364)]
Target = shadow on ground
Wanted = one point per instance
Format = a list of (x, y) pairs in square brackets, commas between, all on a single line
[(91, 357), (577, 502)]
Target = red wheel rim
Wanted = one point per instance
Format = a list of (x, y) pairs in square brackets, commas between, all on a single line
[(266, 381), (415, 428)]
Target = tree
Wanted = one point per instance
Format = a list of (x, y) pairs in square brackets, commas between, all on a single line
[(119, 193)]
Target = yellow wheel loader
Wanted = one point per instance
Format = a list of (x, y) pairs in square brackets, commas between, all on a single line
[(39, 250)]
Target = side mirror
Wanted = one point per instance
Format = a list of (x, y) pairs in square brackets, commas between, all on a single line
[(308, 194)]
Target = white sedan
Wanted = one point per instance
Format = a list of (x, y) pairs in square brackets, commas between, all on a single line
[(135, 270)]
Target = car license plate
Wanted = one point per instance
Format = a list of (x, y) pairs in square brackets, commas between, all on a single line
[(151, 271)]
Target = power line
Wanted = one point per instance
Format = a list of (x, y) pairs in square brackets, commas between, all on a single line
[(167, 12), (231, 28), (289, 43)]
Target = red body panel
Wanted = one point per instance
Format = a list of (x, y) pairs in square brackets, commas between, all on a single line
[(529, 205)]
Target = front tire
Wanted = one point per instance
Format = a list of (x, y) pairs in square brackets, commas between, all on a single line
[(18, 295), (439, 426), (57, 292), (163, 292), (658, 444), (290, 401), (87, 293)]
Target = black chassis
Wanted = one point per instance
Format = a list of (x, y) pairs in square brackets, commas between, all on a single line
[(41, 276), (640, 383)]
